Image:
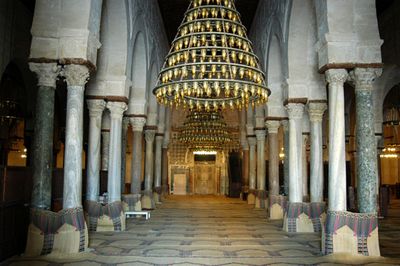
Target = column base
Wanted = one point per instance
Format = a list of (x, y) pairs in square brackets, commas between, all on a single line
[(354, 233), (251, 197), (303, 217), (276, 207), (105, 218), (165, 190), (64, 232), (148, 202), (131, 202), (244, 193), (157, 194), (261, 198)]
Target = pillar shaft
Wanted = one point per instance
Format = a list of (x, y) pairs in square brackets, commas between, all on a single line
[(304, 165), (252, 164), (164, 173), (367, 168), (105, 149), (43, 137), (316, 112), (114, 165), (137, 124), (260, 159), (245, 167), (273, 155), (149, 164), (125, 123), (76, 77), (96, 108), (337, 152), (295, 112), (158, 161), (285, 124)]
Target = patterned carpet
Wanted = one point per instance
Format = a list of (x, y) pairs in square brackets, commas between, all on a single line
[(213, 230)]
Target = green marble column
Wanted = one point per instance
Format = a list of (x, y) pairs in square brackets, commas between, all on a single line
[(367, 168), (42, 147)]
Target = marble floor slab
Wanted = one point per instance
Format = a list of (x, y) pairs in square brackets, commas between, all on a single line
[(211, 230)]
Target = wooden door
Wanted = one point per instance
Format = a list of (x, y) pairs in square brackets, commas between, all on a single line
[(180, 184), (204, 179)]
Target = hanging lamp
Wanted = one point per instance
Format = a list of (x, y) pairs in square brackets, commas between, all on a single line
[(211, 64), (205, 130)]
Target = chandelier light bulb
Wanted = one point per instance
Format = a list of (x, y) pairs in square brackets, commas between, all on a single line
[(210, 50)]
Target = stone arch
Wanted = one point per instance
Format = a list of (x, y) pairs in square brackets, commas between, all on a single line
[(13, 111), (275, 76), (152, 113), (111, 76), (390, 77), (303, 77), (138, 74)]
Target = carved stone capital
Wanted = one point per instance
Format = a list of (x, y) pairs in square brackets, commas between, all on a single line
[(125, 122), (260, 134), (46, 73), (338, 76), (285, 125), (295, 110), (250, 129), (159, 139), (316, 111), (149, 135), (76, 75), (245, 146), (117, 109), (252, 141), (272, 126), (106, 120), (96, 107), (137, 123), (363, 78)]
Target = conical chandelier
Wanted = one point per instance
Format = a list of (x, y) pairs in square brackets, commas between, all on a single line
[(211, 64), (204, 131)]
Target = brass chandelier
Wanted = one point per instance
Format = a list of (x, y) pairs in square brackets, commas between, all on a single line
[(205, 131), (211, 64)]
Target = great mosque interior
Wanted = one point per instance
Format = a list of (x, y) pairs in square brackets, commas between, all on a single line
[(199, 132)]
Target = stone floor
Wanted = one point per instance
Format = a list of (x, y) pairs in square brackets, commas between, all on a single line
[(215, 231)]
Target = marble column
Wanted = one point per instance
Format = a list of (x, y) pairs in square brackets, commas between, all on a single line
[(76, 77), (261, 193), (273, 165), (245, 168), (158, 167), (252, 169), (337, 152), (125, 123), (137, 124), (304, 167), (367, 167), (316, 112), (147, 199), (285, 125), (132, 201), (105, 140), (105, 148), (295, 112), (96, 108), (164, 172), (117, 110), (44, 123)]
